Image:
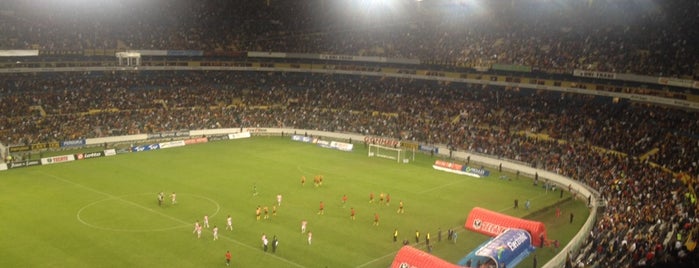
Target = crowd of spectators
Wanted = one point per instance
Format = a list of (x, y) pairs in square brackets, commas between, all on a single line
[(648, 38), (648, 209), (609, 146)]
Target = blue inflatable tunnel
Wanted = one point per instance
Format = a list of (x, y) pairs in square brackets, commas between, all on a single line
[(507, 249)]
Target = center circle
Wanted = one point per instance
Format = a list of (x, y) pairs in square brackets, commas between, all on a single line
[(140, 212)]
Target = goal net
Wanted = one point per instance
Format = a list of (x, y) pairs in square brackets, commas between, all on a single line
[(397, 154)]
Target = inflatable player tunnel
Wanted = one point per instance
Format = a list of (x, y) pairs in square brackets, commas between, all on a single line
[(410, 257), (506, 250), (493, 224)]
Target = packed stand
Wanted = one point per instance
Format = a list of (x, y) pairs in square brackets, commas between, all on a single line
[(647, 214), (615, 36), (647, 209)]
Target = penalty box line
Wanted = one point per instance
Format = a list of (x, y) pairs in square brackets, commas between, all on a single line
[(159, 213)]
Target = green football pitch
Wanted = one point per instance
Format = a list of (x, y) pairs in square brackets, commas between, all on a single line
[(104, 212)]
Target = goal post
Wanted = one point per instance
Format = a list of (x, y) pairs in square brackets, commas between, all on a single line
[(397, 154)]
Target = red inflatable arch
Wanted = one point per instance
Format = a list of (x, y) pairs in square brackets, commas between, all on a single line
[(409, 257), (492, 224)]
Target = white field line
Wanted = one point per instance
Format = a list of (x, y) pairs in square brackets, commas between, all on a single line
[(218, 208), (162, 214)]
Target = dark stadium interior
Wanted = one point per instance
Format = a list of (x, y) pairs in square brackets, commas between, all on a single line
[(643, 158)]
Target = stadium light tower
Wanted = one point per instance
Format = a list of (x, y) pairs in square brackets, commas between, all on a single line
[(374, 11)]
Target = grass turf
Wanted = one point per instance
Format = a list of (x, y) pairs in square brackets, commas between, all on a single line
[(103, 212)]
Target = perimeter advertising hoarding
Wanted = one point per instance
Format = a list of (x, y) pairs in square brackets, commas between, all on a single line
[(57, 159), (110, 152), (142, 148), (460, 169), (81, 156), (196, 140), (342, 146), (322, 143), (22, 164), (301, 138), (241, 135), (171, 144)]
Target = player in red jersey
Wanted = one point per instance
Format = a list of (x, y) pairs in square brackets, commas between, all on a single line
[(228, 257)]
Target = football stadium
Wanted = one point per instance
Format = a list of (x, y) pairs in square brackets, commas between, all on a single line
[(349, 133)]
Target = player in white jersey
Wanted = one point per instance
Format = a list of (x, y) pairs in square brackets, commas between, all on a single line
[(279, 200), (303, 226), (199, 232), (196, 227), (206, 221), (264, 241), (161, 196), (173, 197), (310, 237), (229, 223), (215, 230)]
